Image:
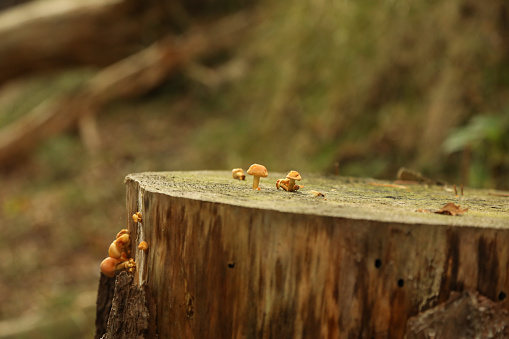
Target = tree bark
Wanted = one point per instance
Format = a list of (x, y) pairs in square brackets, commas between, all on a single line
[(129, 316), (227, 261), (105, 294), (464, 315)]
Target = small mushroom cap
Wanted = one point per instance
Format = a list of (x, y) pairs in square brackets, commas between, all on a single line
[(143, 246), (122, 232), (108, 266), (238, 173), (257, 170), (114, 251), (123, 239), (137, 217), (293, 175)]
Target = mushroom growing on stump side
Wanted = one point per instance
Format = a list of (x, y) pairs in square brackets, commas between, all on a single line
[(238, 173), (128, 265), (143, 246), (137, 217), (257, 171), (118, 255), (108, 266), (117, 248), (292, 176)]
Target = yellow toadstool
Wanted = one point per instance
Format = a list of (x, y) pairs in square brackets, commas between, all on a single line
[(257, 171), (292, 176)]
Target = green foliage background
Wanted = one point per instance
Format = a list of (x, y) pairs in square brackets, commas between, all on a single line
[(369, 86), (374, 86)]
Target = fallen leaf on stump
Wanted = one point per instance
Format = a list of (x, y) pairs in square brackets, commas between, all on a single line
[(451, 209)]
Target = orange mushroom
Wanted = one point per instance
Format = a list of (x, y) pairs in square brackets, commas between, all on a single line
[(137, 217), (108, 266), (292, 176), (257, 171), (143, 246), (238, 173)]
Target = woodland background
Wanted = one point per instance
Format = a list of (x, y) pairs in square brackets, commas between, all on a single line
[(91, 91)]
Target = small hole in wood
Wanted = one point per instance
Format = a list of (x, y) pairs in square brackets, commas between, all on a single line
[(501, 296), (231, 264), (401, 283), (378, 263)]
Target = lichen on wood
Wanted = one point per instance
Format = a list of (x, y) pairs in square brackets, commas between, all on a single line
[(346, 197)]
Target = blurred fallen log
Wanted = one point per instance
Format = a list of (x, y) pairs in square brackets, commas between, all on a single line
[(132, 76), (405, 174), (43, 36)]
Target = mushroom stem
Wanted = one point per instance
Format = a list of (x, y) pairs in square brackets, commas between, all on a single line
[(122, 265), (239, 176), (291, 185), (126, 265), (256, 182)]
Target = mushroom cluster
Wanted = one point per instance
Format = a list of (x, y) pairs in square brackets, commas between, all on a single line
[(259, 171), (288, 184), (137, 217), (118, 255)]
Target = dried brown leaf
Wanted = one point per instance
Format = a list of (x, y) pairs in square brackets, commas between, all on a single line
[(451, 209)]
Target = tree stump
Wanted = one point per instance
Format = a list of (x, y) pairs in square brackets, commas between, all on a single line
[(225, 260)]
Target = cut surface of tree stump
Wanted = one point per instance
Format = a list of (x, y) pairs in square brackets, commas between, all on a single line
[(225, 260)]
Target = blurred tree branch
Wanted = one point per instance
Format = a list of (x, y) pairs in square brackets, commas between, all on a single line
[(131, 76), (44, 36)]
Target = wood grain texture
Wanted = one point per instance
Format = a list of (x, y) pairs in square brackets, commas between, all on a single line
[(221, 263)]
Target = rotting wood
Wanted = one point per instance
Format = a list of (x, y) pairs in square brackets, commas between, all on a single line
[(464, 315), (227, 261), (105, 294), (129, 316)]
